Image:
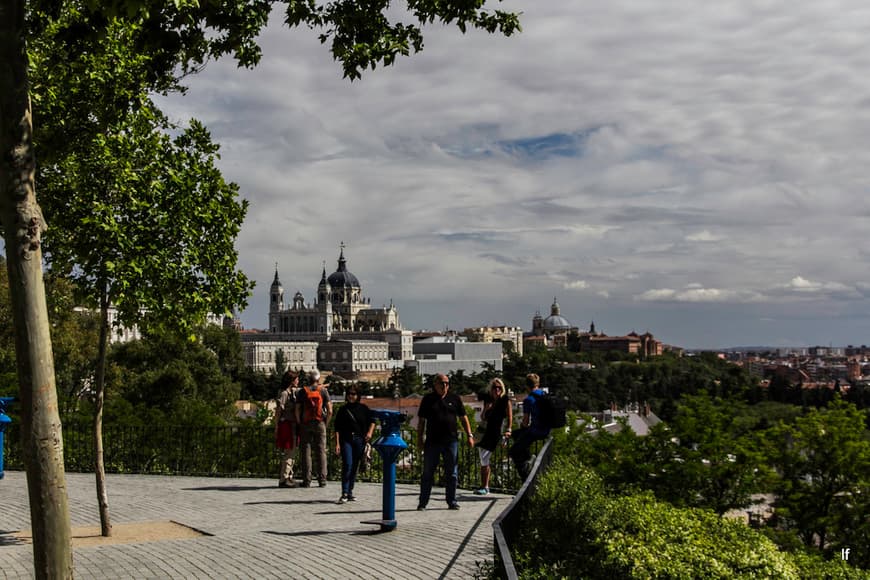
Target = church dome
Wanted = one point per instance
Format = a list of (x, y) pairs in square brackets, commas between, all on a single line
[(556, 322), (342, 278)]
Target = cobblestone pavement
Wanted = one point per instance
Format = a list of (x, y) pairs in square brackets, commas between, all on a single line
[(257, 530)]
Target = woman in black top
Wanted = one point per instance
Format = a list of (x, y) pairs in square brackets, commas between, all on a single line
[(496, 410), (353, 429)]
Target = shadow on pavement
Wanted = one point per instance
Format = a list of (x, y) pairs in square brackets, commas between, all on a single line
[(230, 488), (8, 538), (292, 502)]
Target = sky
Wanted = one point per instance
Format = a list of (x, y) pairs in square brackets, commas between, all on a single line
[(695, 170)]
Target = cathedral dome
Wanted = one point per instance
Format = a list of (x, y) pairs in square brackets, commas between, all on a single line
[(556, 322), (342, 278)]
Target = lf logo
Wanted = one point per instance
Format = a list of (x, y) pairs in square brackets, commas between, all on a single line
[(844, 553)]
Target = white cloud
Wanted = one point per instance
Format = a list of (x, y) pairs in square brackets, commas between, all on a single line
[(694, 293), (703, 236), (575, 285), (801, 284), (659, 294), (716, 151)]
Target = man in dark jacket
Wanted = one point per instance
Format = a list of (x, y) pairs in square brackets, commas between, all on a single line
[(437, 418)]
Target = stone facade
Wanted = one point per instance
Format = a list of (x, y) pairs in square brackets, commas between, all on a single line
[(351, 336), (509, 334)]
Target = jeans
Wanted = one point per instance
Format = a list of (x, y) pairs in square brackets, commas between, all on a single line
[(351, 455), (520, 450), (431, 456)]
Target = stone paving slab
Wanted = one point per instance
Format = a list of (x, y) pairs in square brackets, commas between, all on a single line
[(257, 530)]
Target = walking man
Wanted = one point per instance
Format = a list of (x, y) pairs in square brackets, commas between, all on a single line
[(313, 409), (531, 429), (285, 427), (437, 419)]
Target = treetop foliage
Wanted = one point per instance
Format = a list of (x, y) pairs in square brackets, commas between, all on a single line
[(181, 35)]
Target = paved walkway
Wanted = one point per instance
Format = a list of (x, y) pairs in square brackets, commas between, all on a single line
[(257, 530)]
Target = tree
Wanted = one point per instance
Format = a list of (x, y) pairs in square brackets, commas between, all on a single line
[(23, 225), (181, 379), (160, 224), (74, 344), (823, 463), (280, 363), (177, 36), (404, 381), (718, 462)]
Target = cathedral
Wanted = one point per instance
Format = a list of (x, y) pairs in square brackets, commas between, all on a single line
[(339, 308), (338, 331)]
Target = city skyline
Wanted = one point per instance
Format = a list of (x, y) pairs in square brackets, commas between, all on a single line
[(692, 171)]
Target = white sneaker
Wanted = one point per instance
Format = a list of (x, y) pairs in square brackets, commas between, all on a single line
[(481, 491)]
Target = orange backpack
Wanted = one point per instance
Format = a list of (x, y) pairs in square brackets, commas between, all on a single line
[(312, 405)]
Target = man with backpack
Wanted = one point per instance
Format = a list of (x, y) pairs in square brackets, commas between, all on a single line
[(313, 409), (533, 427)]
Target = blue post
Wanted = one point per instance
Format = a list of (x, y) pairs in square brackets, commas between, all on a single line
[(4, 421), (389, 445)]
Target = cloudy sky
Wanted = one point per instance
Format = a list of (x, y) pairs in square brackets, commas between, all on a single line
[(696, 170)]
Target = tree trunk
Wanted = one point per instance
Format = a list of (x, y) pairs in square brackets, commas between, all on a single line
[(22, 224), (99, 463)]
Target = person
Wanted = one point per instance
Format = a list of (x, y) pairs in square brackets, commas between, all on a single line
[(496, 410), (313, 409), (531, 429), (437, 417), (353, 429), (285, 427)]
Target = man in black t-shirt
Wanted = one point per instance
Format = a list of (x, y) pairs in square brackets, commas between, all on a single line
[(437, 417)]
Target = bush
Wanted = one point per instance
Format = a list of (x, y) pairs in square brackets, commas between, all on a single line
[(575, 529)]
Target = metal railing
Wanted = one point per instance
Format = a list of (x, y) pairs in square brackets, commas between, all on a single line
[(238, 451), (507, 524)]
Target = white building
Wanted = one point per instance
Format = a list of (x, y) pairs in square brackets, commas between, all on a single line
[(351, 335), (261, 355), (450, 354)]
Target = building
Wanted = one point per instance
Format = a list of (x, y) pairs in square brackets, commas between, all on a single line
[(644, 345), (639, 419), (352, 337), (512, 335), (118, 333), (554, 331), (441, 354), (348, 358), (261, 352), (554, 328)]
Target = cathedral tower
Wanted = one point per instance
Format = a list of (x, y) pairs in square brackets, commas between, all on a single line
[(276, 294)]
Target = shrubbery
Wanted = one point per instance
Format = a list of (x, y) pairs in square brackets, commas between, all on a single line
[(575, 529)]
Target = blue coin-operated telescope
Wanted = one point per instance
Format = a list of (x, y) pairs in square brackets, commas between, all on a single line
[(389, 445), (4, 422)]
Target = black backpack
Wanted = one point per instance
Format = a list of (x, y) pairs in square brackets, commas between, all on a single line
[(551, 411)]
